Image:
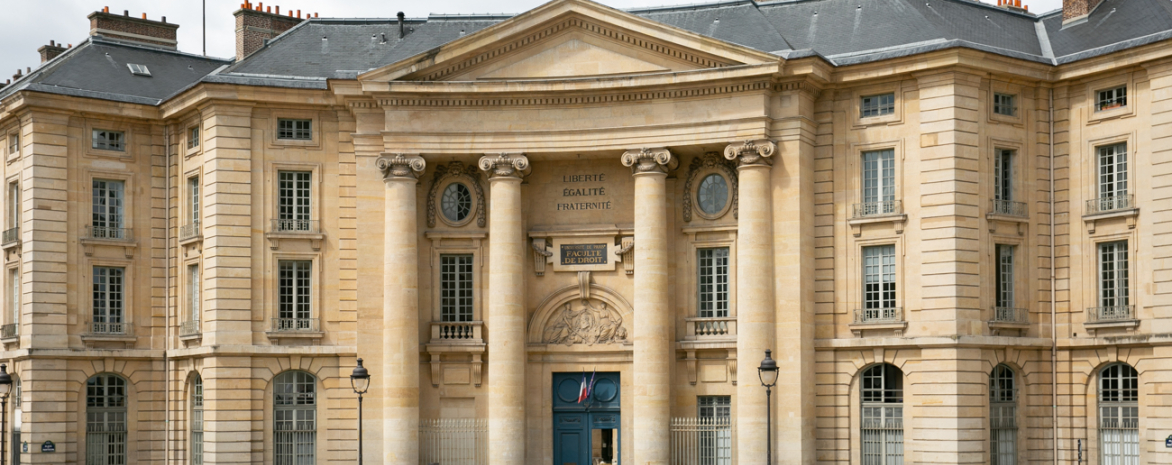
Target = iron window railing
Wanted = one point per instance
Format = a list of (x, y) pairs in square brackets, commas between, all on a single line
[(296, 226), (109, 233), (97, 328), (9, 331), (189, 231), (880, 208), (189, 328), (1009, 208), (1109, 204), (879, 315), (1011, 315), (1110, 313), (11, 236), (295, 324), (703, 441)]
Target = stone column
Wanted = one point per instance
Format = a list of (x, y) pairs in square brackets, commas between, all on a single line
[(400, 370), (506, 309), (755, 314), (654, 333)]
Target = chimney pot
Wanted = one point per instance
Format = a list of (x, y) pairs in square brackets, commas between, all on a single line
[(105, 9), (125, 12), (52, 44), (315, 15), (298, 14), (155, 33), (278, 9), (402, 30), (164, 19), (270, 9)]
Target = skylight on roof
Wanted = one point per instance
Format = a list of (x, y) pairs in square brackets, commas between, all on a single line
[(139, 70)]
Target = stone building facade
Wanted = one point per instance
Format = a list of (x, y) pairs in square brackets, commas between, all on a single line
[(949, 222)]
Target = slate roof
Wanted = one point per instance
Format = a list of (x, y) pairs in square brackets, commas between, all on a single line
[(97, 68), (842, 32)]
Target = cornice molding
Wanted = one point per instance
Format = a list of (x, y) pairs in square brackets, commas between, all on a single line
[(582, 99)]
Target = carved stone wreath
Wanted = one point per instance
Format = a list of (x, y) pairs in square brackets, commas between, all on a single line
[(456, 169), (711, 161), (588, 324)]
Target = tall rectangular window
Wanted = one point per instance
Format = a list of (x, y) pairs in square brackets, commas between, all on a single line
[(193, 199), (14, 294), (1005, 104), (294, 129), (456, 287), (13, 205), (878, 282), (293, 200), (878, 105), (1003, 174), (713, 282), (294, 309), (193, 137), (108, 209), (109, 140), (879, 182), (1005, 275), (108, 300), (13, 144), (1113, 279), (1111, 98), (193, 288), (715, 425), (1113, 177)]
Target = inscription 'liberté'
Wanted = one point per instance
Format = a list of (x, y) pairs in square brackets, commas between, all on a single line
[(584, 254), (584, 192)]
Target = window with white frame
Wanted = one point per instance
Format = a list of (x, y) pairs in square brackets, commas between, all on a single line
[(1005, 104), (1002, 416), (13, 204), (1003, 174), (293, 200), (1005, 276), (14, 295), (1113, 277), (877, 105), (14, 144), (197, 420), (109, 140), (456, 287), (1119, 415), (193, 137), (879, 283), (1111, 98), (715, 438), (712, 280), (294, 303), (193, 199), (294, 419), (878, 183), (294, 129), (108, 198), (194, 303), (882, 415), (105, 412), (108, 311), (1113, 177)]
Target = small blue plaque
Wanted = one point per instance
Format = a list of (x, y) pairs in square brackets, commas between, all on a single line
[(24, 448), (48, 446), (1168, 442)]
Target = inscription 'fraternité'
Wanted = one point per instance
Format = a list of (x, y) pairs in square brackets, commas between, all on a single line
[(584, 254)]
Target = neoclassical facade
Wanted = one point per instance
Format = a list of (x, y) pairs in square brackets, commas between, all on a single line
[(569, 236)]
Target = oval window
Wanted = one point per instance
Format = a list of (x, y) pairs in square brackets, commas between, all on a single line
[(456, 202), (713, 194)]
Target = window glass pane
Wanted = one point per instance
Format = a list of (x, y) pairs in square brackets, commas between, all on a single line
[(1119, 414), (456, 202), (712, 194), (108, 299), (293, 288), (193, 192), (456, 287), (294, 419), (1005, 275), (294, 129), (878, 105), (107, 209), (193, 137), (1004, 104), (879, 178), (1114, 286), (1003, 175), (293, 199), (1111, 98), (105, 420), (109, 140), (712, 281), (879, 277), (193, 287), (882, 415)]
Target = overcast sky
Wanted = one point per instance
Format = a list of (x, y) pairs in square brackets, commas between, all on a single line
[(26, 25)]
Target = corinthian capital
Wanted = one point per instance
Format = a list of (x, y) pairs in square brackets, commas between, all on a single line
[(400, 166), (645, 160), (751, 152), (505, 165)]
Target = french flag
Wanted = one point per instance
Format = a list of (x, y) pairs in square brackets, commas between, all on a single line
[(585, 388)]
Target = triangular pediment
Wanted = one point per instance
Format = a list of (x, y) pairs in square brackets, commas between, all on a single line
[(566, 39)]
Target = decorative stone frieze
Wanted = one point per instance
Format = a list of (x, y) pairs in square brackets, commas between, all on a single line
[(583, 323), (505, 165), (456, 171), (710, 162), (751, 152), (653, 160), (401, 165)]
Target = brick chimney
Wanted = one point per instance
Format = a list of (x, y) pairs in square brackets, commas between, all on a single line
[(1077, 10), (139, 31), (49, 52), (255, 24)]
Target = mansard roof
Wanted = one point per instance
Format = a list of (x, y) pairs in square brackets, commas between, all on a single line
[(97, 68)]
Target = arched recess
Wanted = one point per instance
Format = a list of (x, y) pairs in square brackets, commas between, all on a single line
[(602, 298)]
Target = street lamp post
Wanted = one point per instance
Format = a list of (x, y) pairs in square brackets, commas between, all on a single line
[(360, 382), (768, 374), (5, 388)]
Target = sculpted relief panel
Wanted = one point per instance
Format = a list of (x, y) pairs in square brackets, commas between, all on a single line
[(585, 322)]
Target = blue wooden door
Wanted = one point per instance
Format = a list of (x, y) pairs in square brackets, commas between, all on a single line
[(571, 439), (575, 421)]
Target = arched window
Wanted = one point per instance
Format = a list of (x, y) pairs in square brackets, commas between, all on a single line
[(1002, 416), (882, 435), (294, 418), (1119, 415), (105, 418), (197, 421)]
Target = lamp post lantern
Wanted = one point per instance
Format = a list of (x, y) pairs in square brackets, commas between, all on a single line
[(5, 389), (360, 382), (768, 374)]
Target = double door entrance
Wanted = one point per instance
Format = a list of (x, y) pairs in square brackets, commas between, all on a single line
[(586, 430)]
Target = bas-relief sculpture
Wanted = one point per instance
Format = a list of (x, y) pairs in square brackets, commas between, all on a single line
[(588, 324)]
